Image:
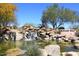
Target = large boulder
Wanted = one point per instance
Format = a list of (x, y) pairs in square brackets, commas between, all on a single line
[(53, 50)]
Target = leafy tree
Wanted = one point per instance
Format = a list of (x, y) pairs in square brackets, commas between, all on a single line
[(7, 13), (57, 16)]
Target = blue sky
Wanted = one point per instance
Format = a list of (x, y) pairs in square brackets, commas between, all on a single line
[(32, 12)]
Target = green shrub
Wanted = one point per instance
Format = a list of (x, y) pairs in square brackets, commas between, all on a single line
[(3, 49), (32, 49), (4, 46)]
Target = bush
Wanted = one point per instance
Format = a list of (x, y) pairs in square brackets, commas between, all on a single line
[(3, 49), (4, 46), (32, 49)]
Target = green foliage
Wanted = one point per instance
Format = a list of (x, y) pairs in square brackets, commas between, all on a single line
[(3, 49), (32, 49), (7, 14), (4, 46), (57, 16)]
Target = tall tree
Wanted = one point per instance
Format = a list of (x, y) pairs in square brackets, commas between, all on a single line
[(7, 13), (57, 16)]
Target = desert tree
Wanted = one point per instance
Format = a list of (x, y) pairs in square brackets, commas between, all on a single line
[(57, 16)]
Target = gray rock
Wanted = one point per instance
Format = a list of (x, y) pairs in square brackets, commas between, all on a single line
[(53, 50)]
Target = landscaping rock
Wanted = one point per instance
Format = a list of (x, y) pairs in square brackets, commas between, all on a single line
[(53, 50)]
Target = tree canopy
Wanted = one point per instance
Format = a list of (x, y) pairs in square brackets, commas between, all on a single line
[(57, 16), (7, 13)]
